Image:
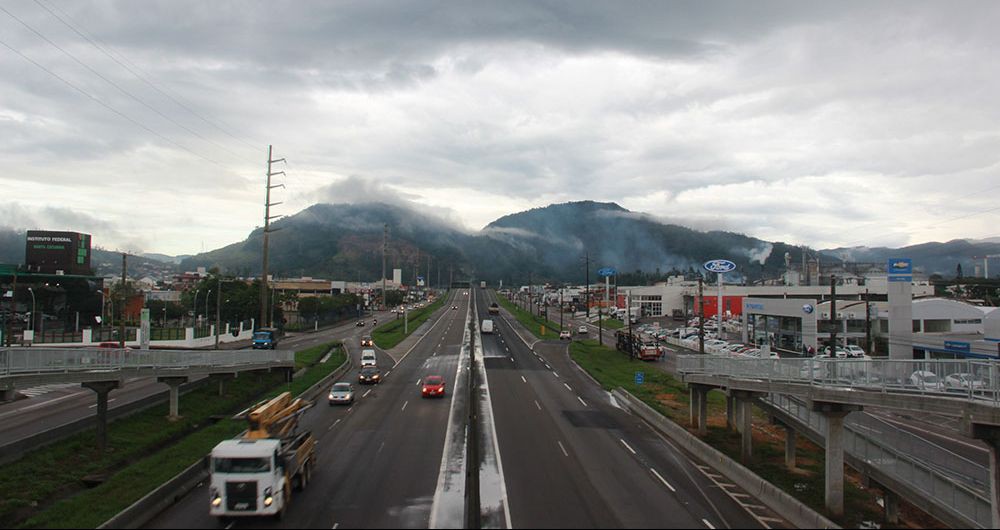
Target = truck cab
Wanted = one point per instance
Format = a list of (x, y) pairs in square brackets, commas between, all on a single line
[(248, 478), (265, 339)]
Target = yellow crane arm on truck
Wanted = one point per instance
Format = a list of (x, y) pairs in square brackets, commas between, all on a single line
[(276, 418)]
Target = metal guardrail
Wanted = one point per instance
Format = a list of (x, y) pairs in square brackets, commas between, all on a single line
[(974, 380), (34, 361), (947, 479)]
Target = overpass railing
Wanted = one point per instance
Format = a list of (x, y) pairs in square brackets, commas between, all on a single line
[(944, 478), (972, 379), (33, 361)]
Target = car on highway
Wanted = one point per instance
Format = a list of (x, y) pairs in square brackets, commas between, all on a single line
[(433, 386), (964, 382), (368, 358), (367, 341), (454, 307), (370, 375), (565, 334), (341, 394), (360, 324), (582, 330)]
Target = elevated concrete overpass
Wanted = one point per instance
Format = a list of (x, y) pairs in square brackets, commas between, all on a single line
[(103, 370), (831, 389)]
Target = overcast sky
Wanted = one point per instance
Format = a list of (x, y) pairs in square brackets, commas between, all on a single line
[(819, 123)]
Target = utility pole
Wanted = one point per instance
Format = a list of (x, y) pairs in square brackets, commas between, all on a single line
[(586, 260), (13, 310), (267, 232), (531, 308), (701, 315), (451, 277), (124, 311), (868, 324), (560, 309), (218, 309), (833, 316), (385, 248), (427, 277)]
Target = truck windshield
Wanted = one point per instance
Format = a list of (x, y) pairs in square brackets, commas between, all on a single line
[(262, 336), (241, 465)]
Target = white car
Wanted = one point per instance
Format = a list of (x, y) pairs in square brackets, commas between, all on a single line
[(853, 350), (963, 382), (565, 334), (582, 330), (924, 380), (368, 358)]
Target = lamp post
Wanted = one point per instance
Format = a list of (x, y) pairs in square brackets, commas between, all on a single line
[(32, 323), (194, 307), (103, 304), (207, 298)]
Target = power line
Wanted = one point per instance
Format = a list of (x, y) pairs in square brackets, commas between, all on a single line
[(110, 82), (106, 105), (135, 70)]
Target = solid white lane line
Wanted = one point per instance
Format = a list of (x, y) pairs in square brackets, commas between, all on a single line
[(563, 449), (110, 401), (404, 406), (387, 373), (334, 425), (366, 393), (663, 480), (523, 380), (567, 387), (708, 524), (537, 405), (335, 525), (627, 446), (582, 401)]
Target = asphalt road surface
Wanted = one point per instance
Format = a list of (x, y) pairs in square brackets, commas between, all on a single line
[(572, 459), (51, 406), (378, 460)]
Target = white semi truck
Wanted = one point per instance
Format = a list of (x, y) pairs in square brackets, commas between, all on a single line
[(254, 475)]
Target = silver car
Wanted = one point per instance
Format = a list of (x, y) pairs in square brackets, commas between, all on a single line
[(341, 394)]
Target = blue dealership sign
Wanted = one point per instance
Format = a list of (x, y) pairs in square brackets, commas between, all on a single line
[(720, 266), (900, 266), (607, 271), (640, 378), (957, 346)]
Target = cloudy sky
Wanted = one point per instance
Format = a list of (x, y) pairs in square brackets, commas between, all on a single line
[(819, 123)]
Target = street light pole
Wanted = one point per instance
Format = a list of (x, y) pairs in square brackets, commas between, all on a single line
[(208, 296), (218, 310), (194, 308), (32, 291)]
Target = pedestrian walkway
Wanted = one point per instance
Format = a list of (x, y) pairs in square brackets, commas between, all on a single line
[(47, 389)]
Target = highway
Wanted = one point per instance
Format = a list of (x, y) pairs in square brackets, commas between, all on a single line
[(51, 406), (572, 459), (378, 460)]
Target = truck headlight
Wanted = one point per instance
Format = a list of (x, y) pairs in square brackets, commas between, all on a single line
[(216, 499), (268, 499)]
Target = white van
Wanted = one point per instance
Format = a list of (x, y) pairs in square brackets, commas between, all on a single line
[(367, 358), (487, 326)]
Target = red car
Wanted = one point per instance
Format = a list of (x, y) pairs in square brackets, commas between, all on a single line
[(433, 386)]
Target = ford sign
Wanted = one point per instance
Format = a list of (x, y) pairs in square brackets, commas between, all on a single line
[(720, 266), (606, 272), (808, 309)]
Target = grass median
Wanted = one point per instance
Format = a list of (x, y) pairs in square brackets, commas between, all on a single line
[(46, 488), (540, 327), (390, 334), (613, 369)]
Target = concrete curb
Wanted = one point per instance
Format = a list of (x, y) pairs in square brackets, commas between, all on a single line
[(773, 497), (161, 498), (16, 449)]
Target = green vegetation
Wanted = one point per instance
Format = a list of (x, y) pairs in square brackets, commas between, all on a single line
[(145, 451), (390, 334), (668, 396), (532, 322), (613, 323)]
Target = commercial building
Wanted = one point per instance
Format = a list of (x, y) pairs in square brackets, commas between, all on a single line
[(58, 253)]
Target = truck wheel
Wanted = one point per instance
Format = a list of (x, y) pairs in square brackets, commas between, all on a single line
[(222, 522)]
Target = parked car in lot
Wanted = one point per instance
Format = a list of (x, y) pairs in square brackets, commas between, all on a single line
[(565, 335), (853, 350), (964, 382), (341, 394), (925, 380)]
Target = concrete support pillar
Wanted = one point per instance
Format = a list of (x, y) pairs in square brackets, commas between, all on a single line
[(891, 501), (744, 423), (790, 440), (222, 379), (174, 383), (9, 395), (730, 412), (699, 408), (834, 469), (102, 389), (991, 435)]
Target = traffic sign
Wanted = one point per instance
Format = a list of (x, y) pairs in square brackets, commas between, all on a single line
[(640, 378), (720, 266), (607, 271)]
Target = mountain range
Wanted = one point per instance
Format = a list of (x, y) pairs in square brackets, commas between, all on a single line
[(560, 242)]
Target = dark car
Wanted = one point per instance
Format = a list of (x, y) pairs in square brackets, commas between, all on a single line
[(367, 341), (360, 324), (369, 375)]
